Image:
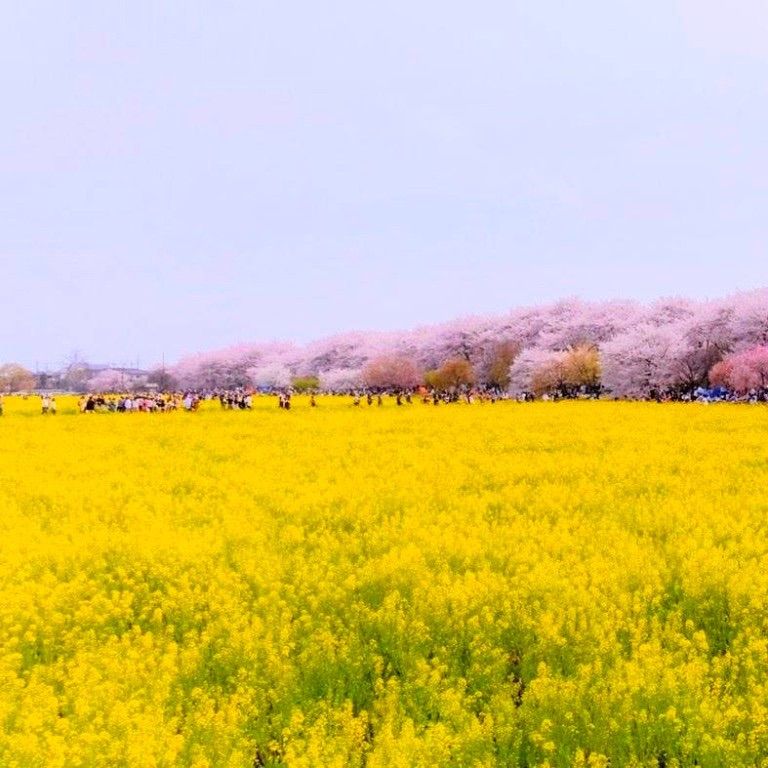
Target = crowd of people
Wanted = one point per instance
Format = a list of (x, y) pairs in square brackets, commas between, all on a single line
[(229, 399), (241, 399), (434, 397), (722, 395), (237, 399), (155, 403)]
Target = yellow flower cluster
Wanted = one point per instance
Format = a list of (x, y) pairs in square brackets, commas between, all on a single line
[(547, 584)]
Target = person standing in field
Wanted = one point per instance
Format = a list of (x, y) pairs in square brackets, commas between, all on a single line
[(46, 402), (52, 405)]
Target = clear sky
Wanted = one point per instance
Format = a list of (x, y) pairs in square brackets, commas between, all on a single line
[(178, 176)]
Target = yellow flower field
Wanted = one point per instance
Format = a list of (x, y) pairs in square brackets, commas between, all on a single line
[(548, 584)]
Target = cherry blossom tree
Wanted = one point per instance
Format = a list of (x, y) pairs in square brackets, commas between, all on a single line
[(227, 368), (392, 371), (742, 371), (529, 369), (640, 361), (669, 311), (550, 375), (494, 368), (348, 350), (562, 372), (15, 378), (114, 380), (109, 380), (720, 374), (431, 346), (341, 379), (453, 375), (702, 338), (750, 319), (573, 323), (582, 369), (270, 376)]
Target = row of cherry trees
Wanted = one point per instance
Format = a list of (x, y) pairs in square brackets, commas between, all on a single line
[(627, 348)]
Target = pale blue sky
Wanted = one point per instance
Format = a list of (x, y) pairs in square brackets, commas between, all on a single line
[(181, 176)]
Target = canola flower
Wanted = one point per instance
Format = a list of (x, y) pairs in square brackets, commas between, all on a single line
[(549, 584)]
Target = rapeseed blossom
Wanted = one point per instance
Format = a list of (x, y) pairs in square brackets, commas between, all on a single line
[(547, 584)]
